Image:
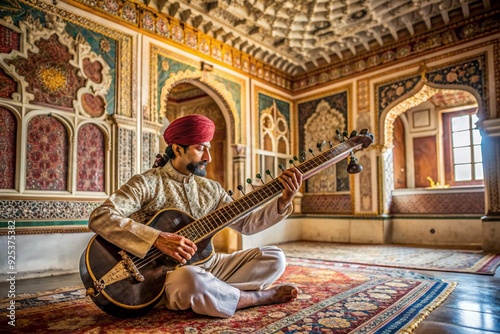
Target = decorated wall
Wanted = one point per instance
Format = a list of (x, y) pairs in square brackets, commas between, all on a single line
[(61, 86), (319, 118)]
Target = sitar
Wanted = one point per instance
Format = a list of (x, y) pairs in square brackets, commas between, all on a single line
[(124, 285)]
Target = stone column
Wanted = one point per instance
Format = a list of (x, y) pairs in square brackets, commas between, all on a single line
[(124, 150), (234, 241), (239, 160), (491, 162)]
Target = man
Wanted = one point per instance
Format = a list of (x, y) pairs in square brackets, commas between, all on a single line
[(225, 282)]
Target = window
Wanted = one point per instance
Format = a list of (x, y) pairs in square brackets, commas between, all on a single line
[(274, 141), (463, 157)]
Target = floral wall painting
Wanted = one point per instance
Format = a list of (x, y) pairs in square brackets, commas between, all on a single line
[(59, 82), (64, 65), (318, 120)]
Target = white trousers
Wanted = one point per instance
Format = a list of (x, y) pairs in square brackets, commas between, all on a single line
[(213, 288)]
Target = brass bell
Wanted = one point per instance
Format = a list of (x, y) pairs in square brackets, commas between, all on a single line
[(353, 167)]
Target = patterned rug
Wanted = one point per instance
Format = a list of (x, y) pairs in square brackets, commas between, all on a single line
[(452, 260), (334, 298)]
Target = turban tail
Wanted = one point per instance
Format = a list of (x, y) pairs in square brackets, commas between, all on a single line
[(189, 130)]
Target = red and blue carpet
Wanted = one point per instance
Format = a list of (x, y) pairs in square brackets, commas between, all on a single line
[(334, 298)]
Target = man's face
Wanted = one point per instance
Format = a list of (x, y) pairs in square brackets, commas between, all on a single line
[(195, 159)]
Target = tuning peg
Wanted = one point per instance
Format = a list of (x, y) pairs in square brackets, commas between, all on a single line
[(339, 135), (353, 134), (280, 166), (240, 188), (249, 181), (230, 193), (331, 144), (320, 145), (260, 178), (268, 172), (345, 134), (303, 156), (311, 151), (353, 167), (292, 162)]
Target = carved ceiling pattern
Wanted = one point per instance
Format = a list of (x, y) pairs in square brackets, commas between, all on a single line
[(298, 36)]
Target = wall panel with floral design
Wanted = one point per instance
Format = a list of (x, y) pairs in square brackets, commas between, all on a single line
[(59, 72)]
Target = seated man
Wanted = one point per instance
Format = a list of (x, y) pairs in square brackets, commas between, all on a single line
[(223, 283)]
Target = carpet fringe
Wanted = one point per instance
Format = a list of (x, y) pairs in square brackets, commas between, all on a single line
[(425, 312)]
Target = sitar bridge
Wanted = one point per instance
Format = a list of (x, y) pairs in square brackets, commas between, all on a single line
[(122, 270), (130, 265)]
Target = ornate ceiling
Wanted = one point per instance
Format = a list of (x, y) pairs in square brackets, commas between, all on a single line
[(298, 36)]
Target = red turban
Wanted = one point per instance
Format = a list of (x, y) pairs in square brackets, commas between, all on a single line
[(189, 130)]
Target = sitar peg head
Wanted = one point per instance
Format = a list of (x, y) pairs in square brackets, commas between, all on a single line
[(249, 181), (320, 145), (303, 156), (268, 172), (339, 136), (240, 188)]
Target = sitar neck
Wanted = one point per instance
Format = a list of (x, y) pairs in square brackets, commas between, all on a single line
[(208, 225)]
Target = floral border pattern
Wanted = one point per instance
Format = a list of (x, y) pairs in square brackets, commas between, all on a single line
[(20, 210)]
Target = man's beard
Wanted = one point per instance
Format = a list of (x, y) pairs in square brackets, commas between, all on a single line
[(194, 167)]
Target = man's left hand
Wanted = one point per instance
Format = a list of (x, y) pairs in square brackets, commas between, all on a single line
[(291, 180)]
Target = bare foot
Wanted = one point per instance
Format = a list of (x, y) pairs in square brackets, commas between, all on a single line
[(276, 295)]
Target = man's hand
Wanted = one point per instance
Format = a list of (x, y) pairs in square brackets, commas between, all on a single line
[(175, 246), (291, 180)]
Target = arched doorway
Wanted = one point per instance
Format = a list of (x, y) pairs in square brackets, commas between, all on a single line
[(425, 147), (186, 98)]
